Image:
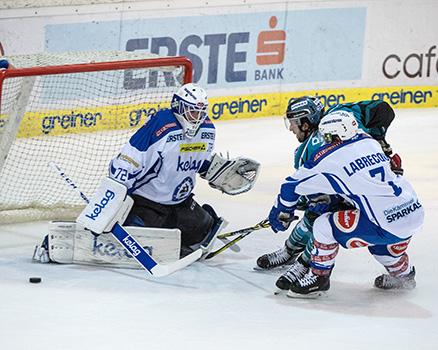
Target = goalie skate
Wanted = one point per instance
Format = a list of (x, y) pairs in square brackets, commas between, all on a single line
[(386, 281)]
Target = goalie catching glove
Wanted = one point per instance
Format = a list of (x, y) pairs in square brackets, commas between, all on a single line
[(232, 176)]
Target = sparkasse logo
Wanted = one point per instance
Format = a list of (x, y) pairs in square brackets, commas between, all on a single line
[(218, 55)]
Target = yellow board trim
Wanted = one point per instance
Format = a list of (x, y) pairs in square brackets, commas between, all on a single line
[(125, 117)]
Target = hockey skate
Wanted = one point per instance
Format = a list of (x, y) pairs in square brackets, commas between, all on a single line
[(281, 257), (296, 271), (310, 286), (386, 281)]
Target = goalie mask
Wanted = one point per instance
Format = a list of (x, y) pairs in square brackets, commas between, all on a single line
[(190, 107), (339, 125)]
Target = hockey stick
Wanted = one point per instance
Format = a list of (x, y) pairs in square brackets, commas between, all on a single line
[(242, 234), (129, 242), (235, 248), (260, 225)]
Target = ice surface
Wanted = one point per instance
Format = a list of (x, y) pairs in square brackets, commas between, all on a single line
[(223, 303)]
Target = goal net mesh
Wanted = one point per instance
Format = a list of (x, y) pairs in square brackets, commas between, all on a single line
[(77, 119)]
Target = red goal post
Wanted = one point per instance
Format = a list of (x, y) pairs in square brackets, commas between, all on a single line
[(76, 109)]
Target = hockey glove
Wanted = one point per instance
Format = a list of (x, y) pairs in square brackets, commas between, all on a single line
[(323, 203), (386, 147), (396, 164), (280, 216)]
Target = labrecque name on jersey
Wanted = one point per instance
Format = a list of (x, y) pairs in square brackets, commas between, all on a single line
[(365, 162)]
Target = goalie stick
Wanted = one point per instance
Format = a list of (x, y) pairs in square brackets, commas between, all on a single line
[(131, 245)]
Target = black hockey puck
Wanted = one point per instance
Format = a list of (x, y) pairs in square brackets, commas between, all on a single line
[(35, 279)]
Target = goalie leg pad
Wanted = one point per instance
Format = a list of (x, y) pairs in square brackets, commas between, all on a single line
[(58, 244), (69, 243), (104, 250)]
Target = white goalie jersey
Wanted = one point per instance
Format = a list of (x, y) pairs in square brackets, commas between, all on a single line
[(159, 163), (362, 175)]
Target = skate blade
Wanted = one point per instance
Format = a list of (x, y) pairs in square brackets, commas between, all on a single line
[(313, 295), (279, 291), (277, 268)]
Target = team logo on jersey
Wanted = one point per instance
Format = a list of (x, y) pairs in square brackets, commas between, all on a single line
[(397, 249), (347, 220), (193, 147), (183, 190), (356, 243)]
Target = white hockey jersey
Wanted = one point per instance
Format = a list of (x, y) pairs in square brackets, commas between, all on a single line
[(360, 172), (159, 163)]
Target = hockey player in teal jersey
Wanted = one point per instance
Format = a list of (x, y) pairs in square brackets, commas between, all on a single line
[(302, 118)]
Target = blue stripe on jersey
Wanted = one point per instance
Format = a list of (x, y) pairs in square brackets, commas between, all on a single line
[(151, 174), (158, 126), (334, 182), (358, 200), (287, 189), (328, 149)]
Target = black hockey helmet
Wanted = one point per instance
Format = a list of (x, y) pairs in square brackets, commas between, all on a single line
[(305, 109)]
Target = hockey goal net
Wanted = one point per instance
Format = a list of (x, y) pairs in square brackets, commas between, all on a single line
[(77, 110)]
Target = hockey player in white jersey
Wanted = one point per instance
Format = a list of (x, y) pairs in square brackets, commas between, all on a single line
[(160, 163), (302, 118), (386, 213), (159, 166)]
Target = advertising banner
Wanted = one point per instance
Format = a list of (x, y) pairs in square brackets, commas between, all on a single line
[(254, 58), (237, 50)]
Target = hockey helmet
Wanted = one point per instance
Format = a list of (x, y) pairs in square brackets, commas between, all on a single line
[(306, 109), (338, 125)]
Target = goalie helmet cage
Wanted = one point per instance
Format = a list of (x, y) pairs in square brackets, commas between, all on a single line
[(77, 110)]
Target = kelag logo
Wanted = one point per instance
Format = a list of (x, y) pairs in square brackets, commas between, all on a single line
[(270, 50)]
